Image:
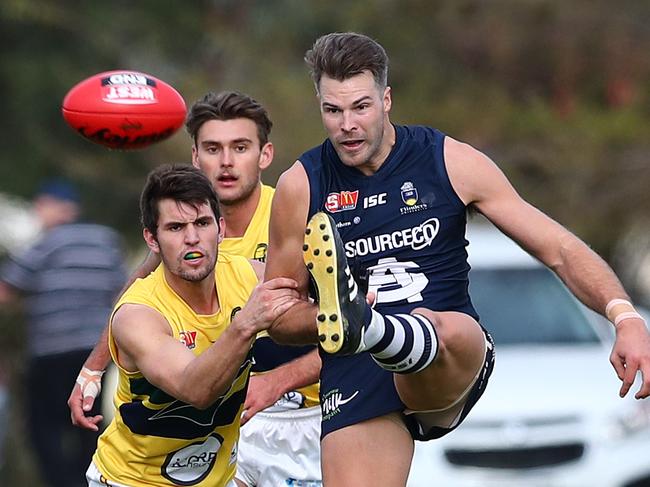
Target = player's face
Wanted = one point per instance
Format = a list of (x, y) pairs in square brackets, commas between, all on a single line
[(355, 116), (187, 239), (229, 153)]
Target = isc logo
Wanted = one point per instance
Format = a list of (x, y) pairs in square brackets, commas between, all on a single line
[(374, 200)]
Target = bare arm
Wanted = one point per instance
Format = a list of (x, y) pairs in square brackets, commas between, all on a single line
[(81, 398), (150, 348), (264, 390), (286, 235), (197, 380), (478, 181)]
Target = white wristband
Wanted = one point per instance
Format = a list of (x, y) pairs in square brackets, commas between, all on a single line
[(616, 302), (626, 316)]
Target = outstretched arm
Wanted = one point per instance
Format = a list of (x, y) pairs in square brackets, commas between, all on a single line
[(479, 182), (266, 389), (88, 384), (145, 343)]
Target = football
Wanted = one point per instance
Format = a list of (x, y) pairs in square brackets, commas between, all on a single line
[(124, 109)]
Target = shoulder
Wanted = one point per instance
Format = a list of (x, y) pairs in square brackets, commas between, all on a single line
[(418, 136), (474, 176), (293, 181), (135, 318), (313, 154), (457, 151), (144, 290)]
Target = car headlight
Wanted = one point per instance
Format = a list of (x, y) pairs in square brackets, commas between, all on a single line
[(630, 420)]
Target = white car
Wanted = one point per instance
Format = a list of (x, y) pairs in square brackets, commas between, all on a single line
[(551, 415)]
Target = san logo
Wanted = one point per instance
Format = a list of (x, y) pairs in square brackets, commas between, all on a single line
[(188, 338), (342, 201)]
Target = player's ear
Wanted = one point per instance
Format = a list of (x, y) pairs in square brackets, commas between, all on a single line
[(388, 99), (195, 157), (266, 156), (151, 241), (222, 229)]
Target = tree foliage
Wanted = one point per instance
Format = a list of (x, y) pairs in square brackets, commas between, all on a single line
[(555, 92)]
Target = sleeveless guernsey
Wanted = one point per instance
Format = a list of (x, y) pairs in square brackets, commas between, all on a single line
[(156, 440), (404, 234)]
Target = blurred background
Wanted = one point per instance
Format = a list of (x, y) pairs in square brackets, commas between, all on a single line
[(556, 92)]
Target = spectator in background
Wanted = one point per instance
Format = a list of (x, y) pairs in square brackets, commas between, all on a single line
[(68, 279)]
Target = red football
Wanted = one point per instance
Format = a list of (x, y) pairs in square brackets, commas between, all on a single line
[(124, 109)]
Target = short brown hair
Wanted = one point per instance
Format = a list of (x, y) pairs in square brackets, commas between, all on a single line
[(228, 105), (182, 183), (343, 55)]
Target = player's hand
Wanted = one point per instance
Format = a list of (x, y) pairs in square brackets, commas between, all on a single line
[(263, 391), (83, 395), (267, 302), (631, 354)]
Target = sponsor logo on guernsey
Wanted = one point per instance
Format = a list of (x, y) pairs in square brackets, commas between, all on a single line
[(343, 224), (260, 252), (233, 454), (410, 197), (343, 201), (374, 200), (332, 402), (417, 238), (192, 464), (409, 193), (291, 482), (188, 338)]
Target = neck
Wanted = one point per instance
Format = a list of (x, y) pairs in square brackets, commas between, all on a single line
[(387, 143), (239, 215), (201, 296)]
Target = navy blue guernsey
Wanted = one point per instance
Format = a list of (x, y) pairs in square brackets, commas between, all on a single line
[(404, 233), (404, 225)]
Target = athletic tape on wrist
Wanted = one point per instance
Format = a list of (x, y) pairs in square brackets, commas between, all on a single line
[(90, 382), (616, 302), (626, 316)]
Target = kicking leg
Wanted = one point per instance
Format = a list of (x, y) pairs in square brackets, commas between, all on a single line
[(436, 355), (459, 359)]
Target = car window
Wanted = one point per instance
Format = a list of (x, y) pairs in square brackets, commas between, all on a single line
[(528, 306)]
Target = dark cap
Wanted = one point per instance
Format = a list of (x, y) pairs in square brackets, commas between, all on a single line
[(61, 189)]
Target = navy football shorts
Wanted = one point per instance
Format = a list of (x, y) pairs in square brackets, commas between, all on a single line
[(354, 389)]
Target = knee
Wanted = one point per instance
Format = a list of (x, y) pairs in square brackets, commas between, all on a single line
[(457, 333)]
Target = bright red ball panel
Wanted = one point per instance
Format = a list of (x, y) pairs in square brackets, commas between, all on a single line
[(124, 109)]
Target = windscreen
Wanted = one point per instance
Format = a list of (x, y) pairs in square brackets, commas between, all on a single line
[(528, 306)]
